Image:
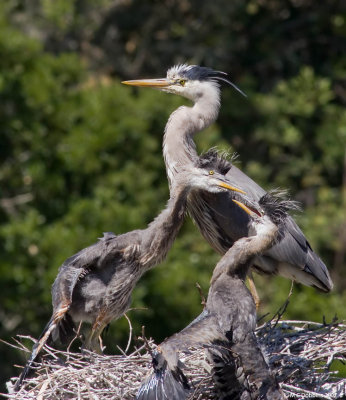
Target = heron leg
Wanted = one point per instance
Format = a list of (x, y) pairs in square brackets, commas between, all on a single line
[(93, 341), (253, 290)]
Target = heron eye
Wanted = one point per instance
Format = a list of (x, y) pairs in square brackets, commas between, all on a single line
[(211, 172), (182, 82)]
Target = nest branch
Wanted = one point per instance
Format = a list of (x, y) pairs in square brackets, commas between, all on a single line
[(299, 352)]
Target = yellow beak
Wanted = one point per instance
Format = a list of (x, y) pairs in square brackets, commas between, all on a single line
[(152, 83), (227, 186), (248, 210)]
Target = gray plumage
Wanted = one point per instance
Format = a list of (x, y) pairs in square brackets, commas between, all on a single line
[(227, 324), (95, 285), (219, 220)]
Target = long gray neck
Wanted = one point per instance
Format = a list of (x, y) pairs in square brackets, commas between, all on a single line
[(162, 231), (179, 148), (238, 259)]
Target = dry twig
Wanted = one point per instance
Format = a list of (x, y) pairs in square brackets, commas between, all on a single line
[(299, 352)]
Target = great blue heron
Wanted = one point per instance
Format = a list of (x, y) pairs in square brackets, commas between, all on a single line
[(95, 285), (218, 219), (227, 324)]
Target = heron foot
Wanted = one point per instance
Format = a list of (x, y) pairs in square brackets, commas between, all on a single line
[(253, 290)]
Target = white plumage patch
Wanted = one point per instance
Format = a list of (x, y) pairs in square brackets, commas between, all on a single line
[(176, 71)]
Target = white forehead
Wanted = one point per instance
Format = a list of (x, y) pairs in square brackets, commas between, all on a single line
[(177, 70)]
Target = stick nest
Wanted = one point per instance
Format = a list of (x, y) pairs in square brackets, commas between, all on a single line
[(300, 354)]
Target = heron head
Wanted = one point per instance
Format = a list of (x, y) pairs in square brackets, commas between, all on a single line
[(205, 179), (260, 222), (269, 212), (190, 81)]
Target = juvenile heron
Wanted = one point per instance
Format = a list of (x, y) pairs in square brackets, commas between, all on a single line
[(95, 285), (219, 220), (227, 324)]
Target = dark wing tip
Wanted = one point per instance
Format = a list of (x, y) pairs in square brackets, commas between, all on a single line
[(164, 384), (35, 352), (318, 269)]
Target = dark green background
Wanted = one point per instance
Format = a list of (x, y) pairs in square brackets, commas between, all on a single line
[(81, 154)]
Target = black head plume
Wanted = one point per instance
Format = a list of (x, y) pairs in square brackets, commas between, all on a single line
[(212, 159), (276, 205), (195, 72)]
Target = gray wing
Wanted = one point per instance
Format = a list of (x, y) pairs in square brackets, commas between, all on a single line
[(201, 331), (292, 257), (164, 384), (260, 380), (61, 325), (77, 266), (168, 381)]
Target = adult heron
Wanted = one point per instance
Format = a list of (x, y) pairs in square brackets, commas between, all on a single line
[(218, 219), (227, 324), (95, 285)]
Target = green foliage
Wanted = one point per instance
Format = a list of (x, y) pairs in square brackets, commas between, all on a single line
[(81, 154)]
